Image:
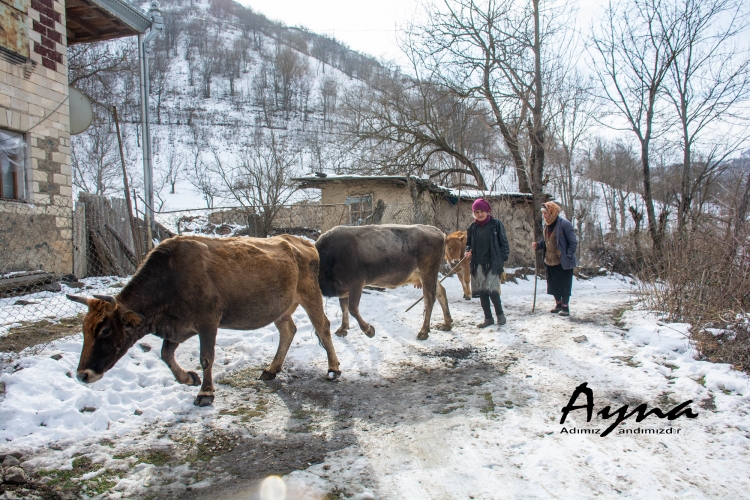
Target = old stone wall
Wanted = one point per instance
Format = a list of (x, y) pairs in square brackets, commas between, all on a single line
[(516, 216), (36, 233)]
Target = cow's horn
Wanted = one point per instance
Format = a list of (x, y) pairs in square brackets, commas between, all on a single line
[(80, 300), (107, 298)]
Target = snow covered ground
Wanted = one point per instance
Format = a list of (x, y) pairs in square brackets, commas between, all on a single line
[(466, 414)]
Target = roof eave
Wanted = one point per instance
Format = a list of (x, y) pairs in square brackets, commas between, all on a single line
[(125, 12)]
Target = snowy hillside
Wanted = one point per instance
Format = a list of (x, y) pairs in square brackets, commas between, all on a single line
[(223, 80)]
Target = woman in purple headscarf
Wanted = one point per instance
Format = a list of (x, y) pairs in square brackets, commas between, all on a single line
[(487, 247)]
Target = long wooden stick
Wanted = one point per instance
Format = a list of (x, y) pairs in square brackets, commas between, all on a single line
[(536, 271), (449, 273), (536, 275), (133, 227)]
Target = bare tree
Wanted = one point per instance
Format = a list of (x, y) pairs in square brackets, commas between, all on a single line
[(159, 75), (408, 122), (199, 175), (614, 166), (232, 60), (173, 27), (632, 60), (261, 90), (94, 161), (171, 167), (260, 180), (88, 61), (328, 98), (709, 77), (291, 69), (574, 109), (208, 66)]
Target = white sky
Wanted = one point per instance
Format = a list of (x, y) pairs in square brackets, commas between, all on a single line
[(367, 26)]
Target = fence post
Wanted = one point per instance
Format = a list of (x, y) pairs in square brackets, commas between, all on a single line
[(80, 241)]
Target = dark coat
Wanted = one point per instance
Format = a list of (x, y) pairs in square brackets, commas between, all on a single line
[(567, 243), (498, 245)]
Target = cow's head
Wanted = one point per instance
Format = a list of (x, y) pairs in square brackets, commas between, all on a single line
[(109, 330), (455, 247)]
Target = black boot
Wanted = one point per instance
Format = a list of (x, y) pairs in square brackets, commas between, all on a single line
[(495, 298), (487, 322), (557, 309), (564, 311)]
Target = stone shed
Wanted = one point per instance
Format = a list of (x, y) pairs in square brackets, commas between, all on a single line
[(358, 200), (36, 199)]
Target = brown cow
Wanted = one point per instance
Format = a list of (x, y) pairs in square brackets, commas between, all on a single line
[(387, 255), (192, 285), (455, 248)]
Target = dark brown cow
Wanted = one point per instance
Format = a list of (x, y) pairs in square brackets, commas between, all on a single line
[(388, 255), (455, 248), (191, 285)]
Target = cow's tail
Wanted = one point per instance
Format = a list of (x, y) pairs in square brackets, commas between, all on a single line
[(325, 277)]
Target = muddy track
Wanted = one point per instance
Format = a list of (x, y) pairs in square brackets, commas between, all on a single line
[(327, 417)]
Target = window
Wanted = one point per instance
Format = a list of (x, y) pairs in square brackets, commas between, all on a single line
[(12, 165), (360, 210)]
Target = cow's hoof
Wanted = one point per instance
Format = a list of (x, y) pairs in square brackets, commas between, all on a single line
[(341, 332), (445, 327), (466, 297), (266, 375), (370, 331), (194, 379), (423, 336), (204, 400), (333, 375)]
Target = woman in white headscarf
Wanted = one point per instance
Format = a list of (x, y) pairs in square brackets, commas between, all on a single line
[(559, 243)]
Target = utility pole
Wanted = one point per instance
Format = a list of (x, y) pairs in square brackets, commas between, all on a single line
[(157, 25)]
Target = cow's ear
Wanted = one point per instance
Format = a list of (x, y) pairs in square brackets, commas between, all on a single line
[(132, 319)]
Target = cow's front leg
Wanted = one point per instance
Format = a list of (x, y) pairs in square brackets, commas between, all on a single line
[(355, 294), (208, 345), (287, 329), (442, 298), (344, 303), (465, 276), (429, 285), (167, 355)]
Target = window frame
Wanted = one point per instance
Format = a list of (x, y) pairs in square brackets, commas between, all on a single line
[(21, 187), (364, 213)]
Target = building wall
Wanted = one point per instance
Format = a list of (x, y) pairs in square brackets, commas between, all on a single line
[(335, 193), (391, 203), (37, 233)]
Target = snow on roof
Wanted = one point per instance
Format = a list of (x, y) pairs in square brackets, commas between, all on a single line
[(324, 177), (314, 180), (478, 193)]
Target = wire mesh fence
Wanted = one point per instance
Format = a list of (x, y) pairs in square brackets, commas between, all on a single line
[(48, 252), (95, 246)]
